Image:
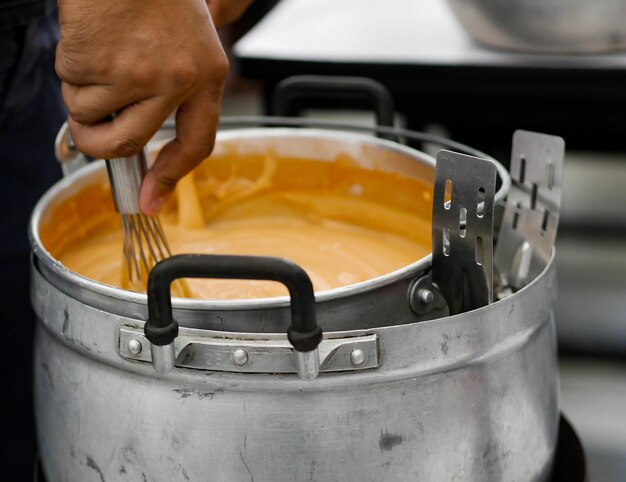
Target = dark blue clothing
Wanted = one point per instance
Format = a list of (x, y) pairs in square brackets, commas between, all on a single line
[(31, 113), (15, 13)]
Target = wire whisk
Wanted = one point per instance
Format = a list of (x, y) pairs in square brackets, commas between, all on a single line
[(143, 237), (144, 246)]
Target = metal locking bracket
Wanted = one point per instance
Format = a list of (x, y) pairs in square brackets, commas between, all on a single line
[(462, 230), (426, 300), (531, 216), (254, 353)]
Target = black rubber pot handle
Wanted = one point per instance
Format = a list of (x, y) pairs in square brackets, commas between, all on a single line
[(369, 92), (161, 328)]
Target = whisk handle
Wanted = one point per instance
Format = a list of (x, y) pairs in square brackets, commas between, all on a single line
[(125, 176), (304, 334)]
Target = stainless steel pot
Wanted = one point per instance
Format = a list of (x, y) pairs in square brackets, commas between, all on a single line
[(551, 26), (468, 397), (376, 302)]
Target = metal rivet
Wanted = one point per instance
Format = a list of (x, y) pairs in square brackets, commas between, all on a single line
[(240, 357), (134, 346), (426, 296), (357, 357)]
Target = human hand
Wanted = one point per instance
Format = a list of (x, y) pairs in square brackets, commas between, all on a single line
[(142, 60), (227, 11)]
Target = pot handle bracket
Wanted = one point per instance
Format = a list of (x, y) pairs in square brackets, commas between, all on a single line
[(161, 329)]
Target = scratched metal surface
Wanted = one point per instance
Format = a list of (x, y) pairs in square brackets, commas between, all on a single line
[(471, 397)]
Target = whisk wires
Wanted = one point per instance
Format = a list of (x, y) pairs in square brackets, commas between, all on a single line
[(144, 242), (145, 245)]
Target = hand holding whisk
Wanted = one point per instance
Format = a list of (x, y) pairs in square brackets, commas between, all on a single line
[(144, 240), (143, 237)]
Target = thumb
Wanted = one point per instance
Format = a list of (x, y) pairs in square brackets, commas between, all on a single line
[(196, 122), (160, 181)]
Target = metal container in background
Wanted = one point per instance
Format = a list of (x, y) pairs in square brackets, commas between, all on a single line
[(401, 396), (545, 26)]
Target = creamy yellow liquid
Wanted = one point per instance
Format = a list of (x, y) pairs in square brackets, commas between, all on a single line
[(341, 223)]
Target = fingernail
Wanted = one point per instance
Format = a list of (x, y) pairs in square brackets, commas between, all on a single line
[(157, 204)]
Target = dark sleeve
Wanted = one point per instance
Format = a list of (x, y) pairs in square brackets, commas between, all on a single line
[(15, 13)]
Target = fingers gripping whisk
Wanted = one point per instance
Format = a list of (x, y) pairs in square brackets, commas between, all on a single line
[(144, 240)]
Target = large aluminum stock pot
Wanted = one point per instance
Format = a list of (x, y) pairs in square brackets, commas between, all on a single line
[(400, 395)]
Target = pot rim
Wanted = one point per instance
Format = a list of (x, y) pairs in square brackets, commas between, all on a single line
[(112, 292)]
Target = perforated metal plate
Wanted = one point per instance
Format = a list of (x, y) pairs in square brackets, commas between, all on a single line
[(531, 217), (462, 229)]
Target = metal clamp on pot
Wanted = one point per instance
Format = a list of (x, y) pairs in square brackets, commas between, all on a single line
[(161, 329), (463, 211)]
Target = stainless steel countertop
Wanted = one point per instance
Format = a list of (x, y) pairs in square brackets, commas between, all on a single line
[(411, 32)]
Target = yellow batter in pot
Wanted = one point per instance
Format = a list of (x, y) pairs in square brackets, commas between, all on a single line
[(342, 223)]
